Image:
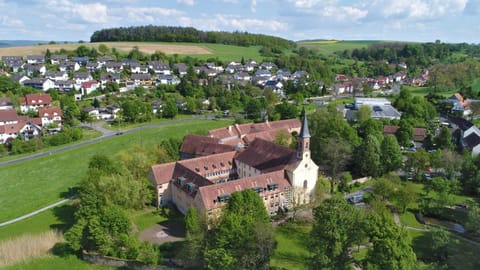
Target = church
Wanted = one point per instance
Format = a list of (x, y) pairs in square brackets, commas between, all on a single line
[(282, 177)]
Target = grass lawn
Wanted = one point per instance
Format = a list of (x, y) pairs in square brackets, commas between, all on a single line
[(291, 251), (229, 52), (60, 218), (87, 135), (408, 219), (147, 218), (423, 91), (53, 262), (33, 184), (124, 126)]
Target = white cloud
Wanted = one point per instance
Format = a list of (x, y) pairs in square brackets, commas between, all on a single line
[(232, 23), (308, 4), (253, 6), (186, 2), (417, 9), (149, 14), (91, 12), (10, 22)]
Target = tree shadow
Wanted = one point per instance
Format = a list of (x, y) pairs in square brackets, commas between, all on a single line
[(69, 193), (65, 215)]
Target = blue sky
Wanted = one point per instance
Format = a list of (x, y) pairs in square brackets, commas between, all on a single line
[(407, 20)]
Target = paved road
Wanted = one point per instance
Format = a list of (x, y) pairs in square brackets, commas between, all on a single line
[(106, 135), (34, 212)]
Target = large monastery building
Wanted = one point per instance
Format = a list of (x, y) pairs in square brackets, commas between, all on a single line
[(236, 158)]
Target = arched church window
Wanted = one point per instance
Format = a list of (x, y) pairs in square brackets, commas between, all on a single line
[(305, 184)]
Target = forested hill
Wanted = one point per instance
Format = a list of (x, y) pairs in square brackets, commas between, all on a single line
[(188, 34)]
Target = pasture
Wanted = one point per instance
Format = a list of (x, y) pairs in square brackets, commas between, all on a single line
[(33, 184), (329, 47)]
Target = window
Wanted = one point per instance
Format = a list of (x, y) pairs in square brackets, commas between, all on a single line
[(305, 184)]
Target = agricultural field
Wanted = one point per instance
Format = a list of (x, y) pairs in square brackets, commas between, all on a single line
[(33, 184), (328, 47), (198, 50)]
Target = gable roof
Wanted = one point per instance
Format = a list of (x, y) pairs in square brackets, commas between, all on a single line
[(8, 115), (49, 112), (210, 193), (203, 145), (266, 156), (472, 140), (38, 99)]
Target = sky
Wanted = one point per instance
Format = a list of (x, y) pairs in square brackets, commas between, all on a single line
[(451, 21)]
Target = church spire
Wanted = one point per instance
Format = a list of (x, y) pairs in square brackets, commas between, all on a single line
[(304, 132), (303, 138)]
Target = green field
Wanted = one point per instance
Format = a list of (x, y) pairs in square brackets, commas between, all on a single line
[(328, 47), (227, 53), (53, 262), (291, 251), (30, 185)]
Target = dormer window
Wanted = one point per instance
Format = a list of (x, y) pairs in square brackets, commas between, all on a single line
[(197, 169), (214, 166), (205, 167), (222, 164)]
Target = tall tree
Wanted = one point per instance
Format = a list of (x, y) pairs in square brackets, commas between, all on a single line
[(367, 157), (337, 228), (391, 245), (243, 237), (390, 154)]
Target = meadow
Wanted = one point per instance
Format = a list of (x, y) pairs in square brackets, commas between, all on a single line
[(329, 47), (33, 184)]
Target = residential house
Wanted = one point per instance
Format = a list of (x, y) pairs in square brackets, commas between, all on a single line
[(167, 79), (19, 77), (250, 66), (12, 125), (233, 67), (465, 134), (56, 75), (50, 116), (9, 61), (419, 134), (35, 59), (103, 60), (105, 78), (37, 69), (283, 74), (81, 77), (141, 79), (69, 66), (89, 86), (181, 69), (300, 74), (460, 106), (160, 68), (8, 117), (242, 76), (17, 66), (56, 59), (92, 66), (81, 60), (64, 86), (34, 101), (282, 177), (276, 86), (6, 103), (113, 67), (40, 83), (137, 68), (268, 65)]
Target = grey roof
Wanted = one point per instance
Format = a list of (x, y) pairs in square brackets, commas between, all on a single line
[(304, 132)]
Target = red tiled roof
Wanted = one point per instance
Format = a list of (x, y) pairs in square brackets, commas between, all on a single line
[(8, 115), (211, 192), (203, 145), (38, 99), (49, 112), (390, 129), (419, 134), (209, 164), (88, 84), (266, 156), (162, 173)]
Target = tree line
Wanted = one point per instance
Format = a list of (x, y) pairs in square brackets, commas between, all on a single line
[(188, 34)]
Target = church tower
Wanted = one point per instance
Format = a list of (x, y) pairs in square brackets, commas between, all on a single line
[(303, 150)]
